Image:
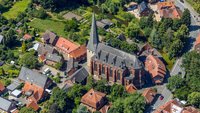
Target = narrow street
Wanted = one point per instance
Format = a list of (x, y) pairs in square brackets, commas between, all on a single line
[(194, 31)]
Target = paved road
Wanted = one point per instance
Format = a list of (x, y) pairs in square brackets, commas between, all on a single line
[(194, 31)]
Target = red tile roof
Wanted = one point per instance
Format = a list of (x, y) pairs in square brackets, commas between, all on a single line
[(27, 36), (93, 98), (149, 94), (155, 67), (174, 106), (131, 88), (66, 45), (168, 10), (190, 109), (169, 107), (2, 87), (80, 51), (38, 92)]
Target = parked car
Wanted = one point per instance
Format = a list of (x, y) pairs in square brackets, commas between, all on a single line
[(161, 97), (46, 71)]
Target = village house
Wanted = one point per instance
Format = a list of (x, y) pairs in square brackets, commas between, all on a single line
[(143, 9), (115, 65), (156, 68), (104, 23), (79, 54), (174, 106), (71, 15), (27, 37), (43, 49), (168, 10), (197, 44), (70, 49), (49, 38), (131, 6), (72, 66), (149, 95), (152, 1), (53, 59), (130, 88), (95, 101), (79, 77), (48, 55), (7, 106), (146, 50), (34, 87)]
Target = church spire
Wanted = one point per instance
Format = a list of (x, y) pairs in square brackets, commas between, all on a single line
[(94, 39)]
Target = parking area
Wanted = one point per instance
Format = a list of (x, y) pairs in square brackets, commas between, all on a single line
[(52, 70)]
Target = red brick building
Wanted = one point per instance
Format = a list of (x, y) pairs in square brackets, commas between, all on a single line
[(94, 100), (70, 49), (156, 69), (112, 64)]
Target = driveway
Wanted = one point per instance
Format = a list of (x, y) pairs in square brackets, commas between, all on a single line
[(53, 70)]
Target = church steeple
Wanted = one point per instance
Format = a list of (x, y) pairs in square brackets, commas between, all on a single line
[(94, 39)]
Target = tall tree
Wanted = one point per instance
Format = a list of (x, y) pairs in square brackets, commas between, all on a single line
[(25, 60), (175, 82), (175, 49), (186, 17), (194, 99), (134, 103), (23, 48)]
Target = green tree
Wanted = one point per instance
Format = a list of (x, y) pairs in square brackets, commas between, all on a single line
[(23, 48), (116, 92), (134, 103), (194, 99), (186, 17), (155, 40), (182, 33), (176, 49), (26, 110), (82, 109), (71, 25), (10, 38), (175, 82), (117, 107), (2, 72), (132, 30), (25, 60)]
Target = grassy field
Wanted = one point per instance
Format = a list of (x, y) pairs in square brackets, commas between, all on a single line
[(18, 7), (48, 24)]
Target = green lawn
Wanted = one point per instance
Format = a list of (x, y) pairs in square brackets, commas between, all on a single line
[(18, 7), (48, 24)]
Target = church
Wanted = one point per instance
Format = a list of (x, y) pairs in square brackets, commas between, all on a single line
[(112, 64)]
